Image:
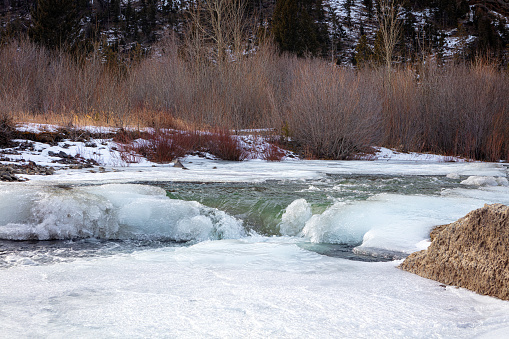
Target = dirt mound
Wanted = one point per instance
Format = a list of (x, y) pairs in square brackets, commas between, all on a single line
[(472, 252)]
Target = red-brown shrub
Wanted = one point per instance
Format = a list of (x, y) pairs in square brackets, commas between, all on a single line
[(273, 153), (164, 146), (224, 146)]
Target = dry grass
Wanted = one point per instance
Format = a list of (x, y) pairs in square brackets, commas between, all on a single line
[(328, 112)]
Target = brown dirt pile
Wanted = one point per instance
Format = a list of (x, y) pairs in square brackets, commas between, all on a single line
[(472, 252)]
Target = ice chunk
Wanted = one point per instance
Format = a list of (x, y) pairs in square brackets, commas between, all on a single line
[(295, 217), (340, 223), (454, 176), (117, 211), (388, 222), (485, 181)]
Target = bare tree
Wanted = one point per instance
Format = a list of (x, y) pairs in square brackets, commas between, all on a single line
[(389, 29), (222, 23)]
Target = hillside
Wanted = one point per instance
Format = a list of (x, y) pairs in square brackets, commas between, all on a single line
[(123, 30)]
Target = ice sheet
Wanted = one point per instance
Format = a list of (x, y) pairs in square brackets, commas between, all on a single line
[(254, 288), (203, 170)]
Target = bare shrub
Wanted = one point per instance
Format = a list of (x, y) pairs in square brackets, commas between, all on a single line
[(273, 153), (123, 136), (452, 109), (329, 112), (223, 145), (333, 112), (402, 124), (463, 110), (161, 146)]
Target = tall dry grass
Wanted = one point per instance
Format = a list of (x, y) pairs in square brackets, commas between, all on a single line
[(49, 85), (330, 112)]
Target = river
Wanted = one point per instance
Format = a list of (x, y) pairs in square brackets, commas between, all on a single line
[(308, 249)]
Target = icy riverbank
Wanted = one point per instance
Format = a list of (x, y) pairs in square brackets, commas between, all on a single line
[(252, 267)]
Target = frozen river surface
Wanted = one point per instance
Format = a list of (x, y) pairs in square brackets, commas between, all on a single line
[(226, 250)]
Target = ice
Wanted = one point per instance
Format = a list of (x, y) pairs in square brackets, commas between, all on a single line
[(483, 194), (235, 288), (454, 176), (340, 223), (295, 217), (388, 222), (15, 202), (485, 181), (108, 212), (384, 222), (243, 285)]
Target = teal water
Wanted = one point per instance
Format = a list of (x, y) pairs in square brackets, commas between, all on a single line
[(261, 205)]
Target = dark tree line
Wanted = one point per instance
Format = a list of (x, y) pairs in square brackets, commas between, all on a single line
[(302, 27)]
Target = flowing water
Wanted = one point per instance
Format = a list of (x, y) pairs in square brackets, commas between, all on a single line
[(274, 258), (58, 223)]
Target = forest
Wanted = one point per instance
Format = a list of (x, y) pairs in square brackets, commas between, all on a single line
[(330, 78)]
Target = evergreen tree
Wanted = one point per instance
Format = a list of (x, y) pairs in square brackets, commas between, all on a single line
[(378, 50), (368, 5), (363, 52), (489, 40), (348, 8), (409, 36), (449, 11), (298, 26), (336, 34), (55, 24)]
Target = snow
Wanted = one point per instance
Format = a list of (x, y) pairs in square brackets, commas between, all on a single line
[(254, 288), (389, 154), (229, 283), (115, 169)]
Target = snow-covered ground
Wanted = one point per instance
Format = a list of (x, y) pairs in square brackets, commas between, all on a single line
[(230, 282), (112, 167)]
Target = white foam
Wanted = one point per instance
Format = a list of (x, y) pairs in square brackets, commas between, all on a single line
[(295, 217)]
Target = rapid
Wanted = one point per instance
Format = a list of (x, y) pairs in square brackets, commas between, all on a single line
[(308, 249)]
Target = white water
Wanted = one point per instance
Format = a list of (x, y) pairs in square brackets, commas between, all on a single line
[(243, 285), (389, 222)]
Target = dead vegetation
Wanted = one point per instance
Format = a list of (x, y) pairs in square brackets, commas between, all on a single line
[(164, 146), (322, 110)]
